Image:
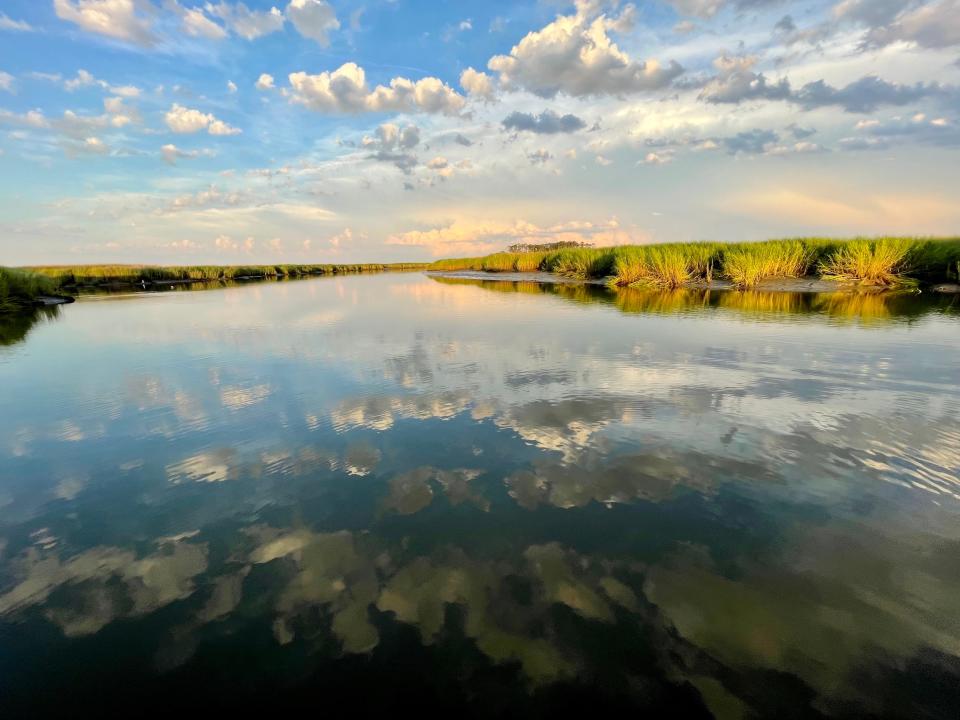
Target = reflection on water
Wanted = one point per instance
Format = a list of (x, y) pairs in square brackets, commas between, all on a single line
[(14, 327), (509, 497), (865, 307)]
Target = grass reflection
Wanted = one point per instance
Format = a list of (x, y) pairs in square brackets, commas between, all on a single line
[(864, 308)]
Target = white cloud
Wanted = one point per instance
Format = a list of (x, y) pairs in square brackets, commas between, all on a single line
[(88, 146), (31, 119), (468, 236), (185, 120), (83, 79), (231, 86), (933, 25), (477, 84), (248, 24), (658, 158), (128, 20), (8, 23), (575, 55), (313, 19), (345, 90), (171, 153), (218, 127), (86, 79), (264, 82), (6, 81), (195, 24)]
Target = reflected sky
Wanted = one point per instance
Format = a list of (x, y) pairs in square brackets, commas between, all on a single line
[(719, 503)]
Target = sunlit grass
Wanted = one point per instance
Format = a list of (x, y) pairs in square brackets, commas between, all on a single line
[(749, 264), (882, 261)]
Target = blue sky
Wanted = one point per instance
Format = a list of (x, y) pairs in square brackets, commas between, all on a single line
[(309, 131)]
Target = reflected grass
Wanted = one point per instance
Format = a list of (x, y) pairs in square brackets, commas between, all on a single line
[(864, 308)]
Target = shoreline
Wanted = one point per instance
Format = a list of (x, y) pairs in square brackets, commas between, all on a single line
[(797, 285)]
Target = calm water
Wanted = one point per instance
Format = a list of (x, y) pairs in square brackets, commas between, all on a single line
[(402, 492)]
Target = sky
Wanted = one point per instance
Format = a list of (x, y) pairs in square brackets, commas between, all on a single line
[(305, 131)]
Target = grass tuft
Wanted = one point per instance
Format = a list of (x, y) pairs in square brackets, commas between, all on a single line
[(19, 288), (883, 262)]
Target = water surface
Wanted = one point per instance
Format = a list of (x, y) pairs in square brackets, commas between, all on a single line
[(390, 492)]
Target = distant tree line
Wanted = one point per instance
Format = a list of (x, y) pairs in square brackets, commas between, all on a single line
[(546, 247)]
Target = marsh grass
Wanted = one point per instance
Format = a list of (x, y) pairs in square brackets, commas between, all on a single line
[(749, 264), (19, 288), (80, 275), (881, 261)]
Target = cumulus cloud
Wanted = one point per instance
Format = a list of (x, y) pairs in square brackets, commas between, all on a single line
[(575, 55), (185, 120), (477, 84), (736, 81), (933, 25), (30, 119), (864, 95), (171, 153), (393, 144), (661, 157), (751, 142), (195, 23), (87, 146), (6, 81), (546, 123), (87, 79), (313, 19), (345, 90), (877, 135), (248, 24), (264, 82), (128, 20)]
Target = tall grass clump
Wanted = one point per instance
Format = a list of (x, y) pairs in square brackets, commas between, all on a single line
[(580, 262), (19, 288), (882, 262), (748, 264), (668, 266)]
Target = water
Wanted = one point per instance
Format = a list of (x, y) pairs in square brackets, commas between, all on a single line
[(392, 492)]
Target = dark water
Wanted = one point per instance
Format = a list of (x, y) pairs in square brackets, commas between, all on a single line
[(399, 492)]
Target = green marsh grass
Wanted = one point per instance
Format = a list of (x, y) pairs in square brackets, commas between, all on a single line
[(865, 261), (21, 287), (69, 276), (884, 261), (749, 264)]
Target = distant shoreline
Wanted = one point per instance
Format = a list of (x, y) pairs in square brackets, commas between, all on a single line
[(25, 287)]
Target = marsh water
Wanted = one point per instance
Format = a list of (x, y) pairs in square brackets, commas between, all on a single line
[(432, 494)]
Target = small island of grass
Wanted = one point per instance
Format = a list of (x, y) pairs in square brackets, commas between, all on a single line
[(888, 262)]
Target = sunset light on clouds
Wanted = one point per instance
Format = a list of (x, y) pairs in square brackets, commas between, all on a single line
[(180, 131)]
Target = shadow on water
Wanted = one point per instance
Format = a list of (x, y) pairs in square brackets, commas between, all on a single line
[(14, 327), (863, 308)]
